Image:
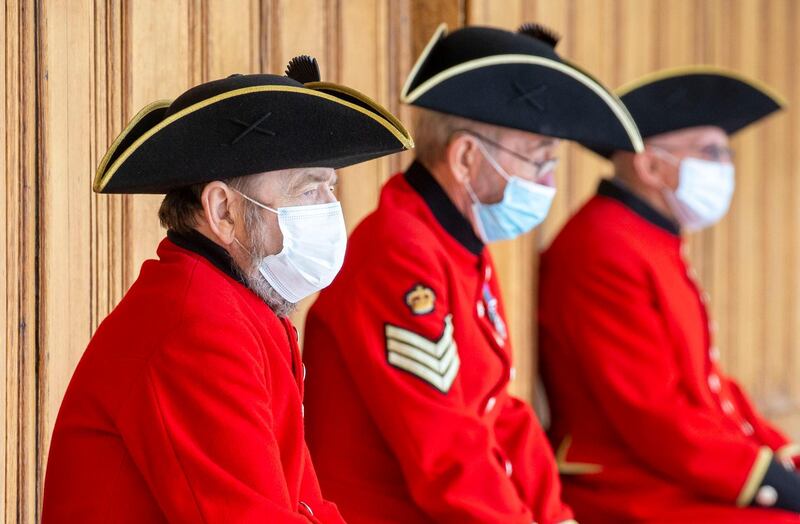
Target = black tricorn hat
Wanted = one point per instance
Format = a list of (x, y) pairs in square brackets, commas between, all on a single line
[(248, 124), (693, 96), (517, 80)]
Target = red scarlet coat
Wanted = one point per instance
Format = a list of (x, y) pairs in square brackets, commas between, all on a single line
[(407, 412), (186, 407), (646, 426)]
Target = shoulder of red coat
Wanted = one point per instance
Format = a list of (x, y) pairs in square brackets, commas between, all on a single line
[(603, 230)]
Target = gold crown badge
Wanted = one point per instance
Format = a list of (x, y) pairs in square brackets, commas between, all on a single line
[(421, 300)]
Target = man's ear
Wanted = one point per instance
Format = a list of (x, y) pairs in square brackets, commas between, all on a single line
[(651, 170), (462, 155), (217, 205)]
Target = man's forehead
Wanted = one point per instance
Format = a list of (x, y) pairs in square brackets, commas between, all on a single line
[(690, 136), (287, 178), (525, 139), (303, 174), (313, 174)]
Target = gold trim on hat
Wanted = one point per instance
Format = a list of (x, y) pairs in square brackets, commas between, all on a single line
[(438, 34), (700, 70), (367, 100), (146, 110), (102, 177)]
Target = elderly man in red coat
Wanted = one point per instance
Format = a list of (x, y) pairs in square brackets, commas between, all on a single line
[(187, 405), (409, 419), (646, 425)]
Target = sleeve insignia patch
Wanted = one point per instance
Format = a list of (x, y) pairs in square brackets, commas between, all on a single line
[(435, 362), (421, 300)]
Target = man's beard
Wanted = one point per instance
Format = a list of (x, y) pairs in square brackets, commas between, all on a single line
[(257, 233)]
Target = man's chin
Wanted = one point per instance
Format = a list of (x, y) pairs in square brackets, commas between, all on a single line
[(258, 285)]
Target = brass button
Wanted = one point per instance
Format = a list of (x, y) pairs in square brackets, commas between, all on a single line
[(766, 497), (714, 383)]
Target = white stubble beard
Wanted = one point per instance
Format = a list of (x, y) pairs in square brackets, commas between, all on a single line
[(256, 229)]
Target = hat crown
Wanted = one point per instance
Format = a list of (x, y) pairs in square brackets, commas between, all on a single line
[(540, 32), (486, 41), (217, 87), (475, 42)]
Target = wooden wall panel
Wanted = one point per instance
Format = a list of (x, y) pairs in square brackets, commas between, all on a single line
[(65, 107), (229, 52), (8, 264), (18, 269), (107, 276), (791, 418), (74, 72), (773, 382)]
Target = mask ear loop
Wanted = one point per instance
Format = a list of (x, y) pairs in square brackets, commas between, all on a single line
[(667, 192), (669, 157), (468, 186), (253, 201), (475, 203), (666, 155), (503, 174), (471, 193), (242, 246), (495, 164)]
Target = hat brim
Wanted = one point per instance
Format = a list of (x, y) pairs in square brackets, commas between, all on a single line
[(248, 131)]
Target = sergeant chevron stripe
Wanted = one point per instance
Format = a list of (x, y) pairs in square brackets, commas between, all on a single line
[(436, 363)]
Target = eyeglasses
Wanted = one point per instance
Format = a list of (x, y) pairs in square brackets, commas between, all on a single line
[(713, 152), (540, 168)]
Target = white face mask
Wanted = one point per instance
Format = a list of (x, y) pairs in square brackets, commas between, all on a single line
[(704, 194), (314, 244)]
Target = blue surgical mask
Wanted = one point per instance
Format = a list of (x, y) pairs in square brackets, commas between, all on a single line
[(524, 206)]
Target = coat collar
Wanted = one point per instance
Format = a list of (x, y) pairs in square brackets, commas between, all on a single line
[(198, 243), (616, 190), (446, 213)]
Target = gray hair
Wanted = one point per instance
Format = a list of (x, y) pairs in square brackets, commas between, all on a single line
[(181, 206), (433, 131)]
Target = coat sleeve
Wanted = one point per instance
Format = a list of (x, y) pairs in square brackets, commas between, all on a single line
[(405, 365), (629, 365), (785, 450), (199, 428), (535, 472)]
